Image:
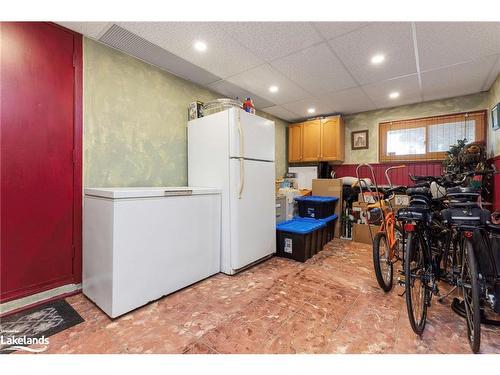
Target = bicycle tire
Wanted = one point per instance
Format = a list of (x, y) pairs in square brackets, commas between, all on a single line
[(415, 254), (386, 285), (472, 304)]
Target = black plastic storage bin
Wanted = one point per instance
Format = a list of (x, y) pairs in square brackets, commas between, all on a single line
[(297, 239), (327, 233), (316, 207), (318, 237), (330, 227)]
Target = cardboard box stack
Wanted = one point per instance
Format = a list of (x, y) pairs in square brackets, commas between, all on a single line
[(328, 187)]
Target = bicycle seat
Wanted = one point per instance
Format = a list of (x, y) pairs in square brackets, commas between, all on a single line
[(454, 203), (423, 178), (413, 213), (460, 190), (469, 216), (420, 200), (419, 190), (395, 189)]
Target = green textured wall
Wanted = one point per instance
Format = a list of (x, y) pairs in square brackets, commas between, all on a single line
[(370, 120), (135, 121)]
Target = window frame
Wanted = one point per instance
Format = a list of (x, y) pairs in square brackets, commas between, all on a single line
[(386, 126)]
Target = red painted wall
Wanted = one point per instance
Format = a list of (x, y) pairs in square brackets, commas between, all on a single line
[(496, 184), (398, 176), (41, 177)]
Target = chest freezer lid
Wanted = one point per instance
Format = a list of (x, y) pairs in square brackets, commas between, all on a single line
[(149, 192)]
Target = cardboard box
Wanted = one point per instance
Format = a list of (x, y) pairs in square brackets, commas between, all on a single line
[(361, 233), (400, 201), (369, 197), (328, 187)]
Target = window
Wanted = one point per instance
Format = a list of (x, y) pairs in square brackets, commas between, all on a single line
[(406, 142), (428, 138)]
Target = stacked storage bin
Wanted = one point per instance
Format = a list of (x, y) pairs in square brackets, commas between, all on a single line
[(297, 239), (306, 234)]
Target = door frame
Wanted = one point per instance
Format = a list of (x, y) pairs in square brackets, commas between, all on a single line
[(77, 151), (76, 277)]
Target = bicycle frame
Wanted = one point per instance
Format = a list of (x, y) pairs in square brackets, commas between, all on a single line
[(388, 223)]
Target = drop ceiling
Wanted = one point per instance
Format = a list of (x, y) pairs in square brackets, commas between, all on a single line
[(321, 65)]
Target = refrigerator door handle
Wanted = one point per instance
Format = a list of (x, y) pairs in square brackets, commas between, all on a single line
[(242, 177), (242, 155)]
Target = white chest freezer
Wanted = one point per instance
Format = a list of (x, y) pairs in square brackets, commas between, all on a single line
[(140, 244)]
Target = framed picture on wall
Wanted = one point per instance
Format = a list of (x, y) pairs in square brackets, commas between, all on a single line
[(359, 140), (495, 117)]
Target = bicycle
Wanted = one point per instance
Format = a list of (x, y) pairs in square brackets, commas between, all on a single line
[(457, 224), (428, 241), (479, 279), (388, 242)]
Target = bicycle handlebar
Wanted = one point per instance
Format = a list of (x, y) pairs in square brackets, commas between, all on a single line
[(450, 180)]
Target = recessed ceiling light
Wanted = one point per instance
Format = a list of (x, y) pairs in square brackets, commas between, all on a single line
[(378, 59), (311, 110), (200, 46), (273, 88), (394, 95)]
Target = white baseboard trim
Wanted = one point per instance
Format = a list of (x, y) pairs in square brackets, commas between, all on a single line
[(38, 297)]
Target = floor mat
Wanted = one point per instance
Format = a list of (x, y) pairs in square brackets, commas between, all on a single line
[(33, 326)]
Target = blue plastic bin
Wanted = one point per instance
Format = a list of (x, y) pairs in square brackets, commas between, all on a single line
[(316, 207), (298, 239), (328, 231)]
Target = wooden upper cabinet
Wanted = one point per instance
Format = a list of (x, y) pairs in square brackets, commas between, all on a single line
[(311, 140), (295, 143), (332, 139), (316, 140)]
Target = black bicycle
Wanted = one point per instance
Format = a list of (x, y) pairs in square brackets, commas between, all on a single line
[(479, 281), (441, 247), (427, 237)]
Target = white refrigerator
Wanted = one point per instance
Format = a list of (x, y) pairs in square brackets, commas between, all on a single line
[(234, 151)]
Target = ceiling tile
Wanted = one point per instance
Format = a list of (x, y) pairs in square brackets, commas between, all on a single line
[(345, 101), (316, 69), (330, 30), (408, 88), (281, 113), (394, 40), (224, 56), (259, 79), (446, 43), (271, 40), (232, 91), (456, 80), (91, 29), (350, 101), (495, 72)]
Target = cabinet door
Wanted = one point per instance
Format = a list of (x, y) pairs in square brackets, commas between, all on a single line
[(295, 143), (311, 144), (332, 139)]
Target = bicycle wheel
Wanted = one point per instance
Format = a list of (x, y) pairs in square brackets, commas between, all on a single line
[(382, 262), (470, 292), (417, 292)]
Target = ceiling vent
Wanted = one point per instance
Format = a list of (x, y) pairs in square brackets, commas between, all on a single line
[(132, 44)]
